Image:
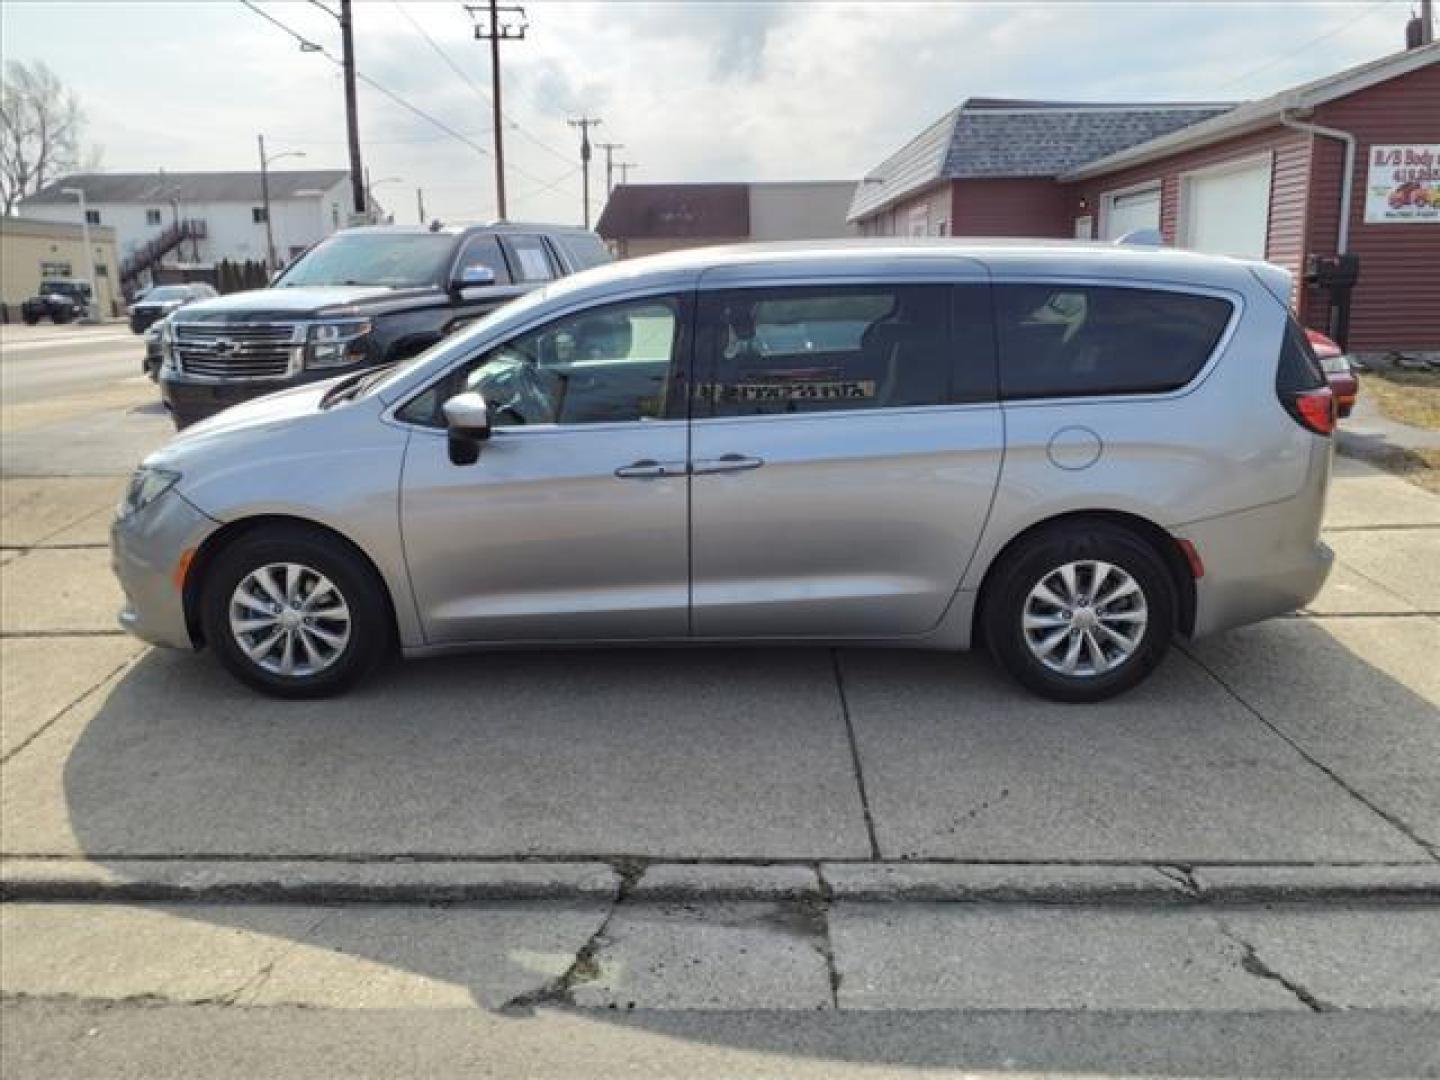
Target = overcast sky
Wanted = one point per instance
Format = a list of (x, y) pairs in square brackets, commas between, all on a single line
[(695, 90)]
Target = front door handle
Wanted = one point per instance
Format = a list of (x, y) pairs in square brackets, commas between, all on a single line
[(728, 463), (648, 469)]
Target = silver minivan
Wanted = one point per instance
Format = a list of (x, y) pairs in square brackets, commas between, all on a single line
[(1071, 452)]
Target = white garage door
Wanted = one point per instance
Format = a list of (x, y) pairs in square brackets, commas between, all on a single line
[(1227, 211), (1130, 211)]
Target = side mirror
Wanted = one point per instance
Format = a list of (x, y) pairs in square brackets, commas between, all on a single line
[(475, 276), (467, 418)]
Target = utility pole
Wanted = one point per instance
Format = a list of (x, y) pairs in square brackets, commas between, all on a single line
[(500, 29), (585, 123), (352, 120), (625, 167), (90, 305), (420, 204), (1427, 23), (610, 148), (265, 203)]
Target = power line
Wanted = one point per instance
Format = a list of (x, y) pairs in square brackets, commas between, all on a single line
[(310, 46), (1374, 7)]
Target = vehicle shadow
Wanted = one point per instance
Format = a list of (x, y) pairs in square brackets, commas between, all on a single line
[(668, 754)]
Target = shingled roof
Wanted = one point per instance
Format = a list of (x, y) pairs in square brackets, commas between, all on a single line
[(188, 187), (998, 137)]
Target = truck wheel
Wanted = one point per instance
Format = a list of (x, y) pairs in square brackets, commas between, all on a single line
[(295, 612), (61, 315), (1080, 612), (30, 318)]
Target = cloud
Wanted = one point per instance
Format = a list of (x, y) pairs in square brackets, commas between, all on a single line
[(695, 91)]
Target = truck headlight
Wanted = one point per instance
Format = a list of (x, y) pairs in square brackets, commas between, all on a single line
[(146, 485), (335, 344), (166, 332)]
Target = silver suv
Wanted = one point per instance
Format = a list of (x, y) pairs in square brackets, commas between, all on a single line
[(1071, 452)]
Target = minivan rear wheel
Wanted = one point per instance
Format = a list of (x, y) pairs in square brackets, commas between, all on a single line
[(1081, 611), (294, 613)]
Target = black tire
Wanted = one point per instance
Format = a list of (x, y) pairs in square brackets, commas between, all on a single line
[(1035, 557), (359, 586), (31, 319), (61, 316)]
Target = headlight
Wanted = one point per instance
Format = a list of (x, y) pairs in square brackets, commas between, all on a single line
[(167, 345), (334, 344), (146, 485)]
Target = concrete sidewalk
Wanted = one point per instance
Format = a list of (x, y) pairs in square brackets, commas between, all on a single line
[(1307, 740)]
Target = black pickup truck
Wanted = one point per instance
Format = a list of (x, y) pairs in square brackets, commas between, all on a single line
[(359, 298), (61, 300)]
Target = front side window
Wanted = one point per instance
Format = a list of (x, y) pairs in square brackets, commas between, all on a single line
[(609, 364), (825, 348), (483, 250), (1085, 340)]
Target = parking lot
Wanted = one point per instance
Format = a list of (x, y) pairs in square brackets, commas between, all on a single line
[(714, 791)]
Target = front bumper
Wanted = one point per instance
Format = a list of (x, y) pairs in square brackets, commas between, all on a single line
[(145, 551), (191, 400)]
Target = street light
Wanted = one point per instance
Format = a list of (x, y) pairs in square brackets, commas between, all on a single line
[(89, 251), (265, 197), (370, 187)]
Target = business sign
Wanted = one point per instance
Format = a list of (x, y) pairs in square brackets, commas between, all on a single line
[(1403, 183)]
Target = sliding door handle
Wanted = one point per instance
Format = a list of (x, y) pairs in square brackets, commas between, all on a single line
[(649, 469), (728, 463)]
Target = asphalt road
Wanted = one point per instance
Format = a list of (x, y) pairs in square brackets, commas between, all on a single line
[(49, 362), (67, 1040)]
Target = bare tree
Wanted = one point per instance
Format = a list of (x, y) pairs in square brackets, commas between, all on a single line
[(41, 124)]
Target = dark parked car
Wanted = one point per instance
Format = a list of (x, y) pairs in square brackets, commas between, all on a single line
[(1338, 371), (60, 300), (361, 298), (162, 300)]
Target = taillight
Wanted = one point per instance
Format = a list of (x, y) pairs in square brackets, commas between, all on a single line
[(1315, 410)]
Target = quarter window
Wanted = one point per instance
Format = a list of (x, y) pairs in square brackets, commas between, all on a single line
[(604, 365), (819, 349), (1079, 340)]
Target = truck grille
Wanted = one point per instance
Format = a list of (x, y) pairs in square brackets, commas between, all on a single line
[(238, 350)]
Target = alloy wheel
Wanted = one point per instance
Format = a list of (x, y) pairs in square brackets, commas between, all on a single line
[(1085, 618), (289, 619)]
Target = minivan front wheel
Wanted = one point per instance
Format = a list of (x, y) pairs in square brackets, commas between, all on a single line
[(294, 613), (1080, 612)]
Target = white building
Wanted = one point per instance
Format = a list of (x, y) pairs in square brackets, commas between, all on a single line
[(196, 219)]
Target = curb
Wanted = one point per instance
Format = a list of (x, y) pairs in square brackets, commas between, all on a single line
[(304, 882), (420, 881)]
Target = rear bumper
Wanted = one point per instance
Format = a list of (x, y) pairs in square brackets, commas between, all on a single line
[(1261, 562)]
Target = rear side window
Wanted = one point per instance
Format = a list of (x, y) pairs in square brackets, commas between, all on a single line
[(1088, 340), (530, 259), (826, 348)]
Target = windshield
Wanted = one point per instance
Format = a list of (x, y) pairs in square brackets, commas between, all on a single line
[(168, 292), (63, 288), (398, 261)]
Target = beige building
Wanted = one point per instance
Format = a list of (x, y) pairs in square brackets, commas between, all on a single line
[(31, 251), (643, 219)]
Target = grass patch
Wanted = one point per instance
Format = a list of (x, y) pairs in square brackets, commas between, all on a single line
[(1410, 397)]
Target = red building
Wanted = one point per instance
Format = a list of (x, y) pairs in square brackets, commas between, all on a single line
[(1346, 165)]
